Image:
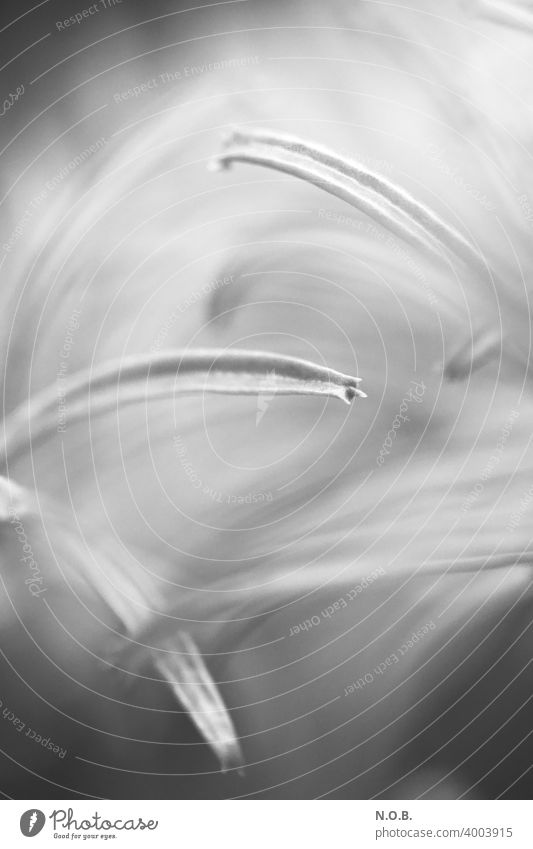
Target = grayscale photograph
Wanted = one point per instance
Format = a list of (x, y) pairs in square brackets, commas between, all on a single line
[(266, 485)]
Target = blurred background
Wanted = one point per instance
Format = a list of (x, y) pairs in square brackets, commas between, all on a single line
[(243, 521)]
